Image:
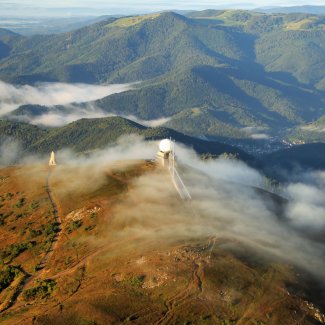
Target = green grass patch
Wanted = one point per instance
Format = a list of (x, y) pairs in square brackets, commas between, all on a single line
[(131, 21), (7, 275), (43, 290), (136, 281), (34, 206), (51, 229), (74, 225), (10, 252), (20, 203)]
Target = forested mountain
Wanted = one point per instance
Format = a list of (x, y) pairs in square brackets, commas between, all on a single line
[(283, 164), (91, 134), (111, 239), (212, 72)]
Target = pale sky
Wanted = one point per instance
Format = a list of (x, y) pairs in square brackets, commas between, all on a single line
[(160, 3), (55, 7)]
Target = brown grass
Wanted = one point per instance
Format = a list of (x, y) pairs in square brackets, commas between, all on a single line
[(108, 274)]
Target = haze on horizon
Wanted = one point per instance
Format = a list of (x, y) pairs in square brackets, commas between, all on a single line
[(21, 8)]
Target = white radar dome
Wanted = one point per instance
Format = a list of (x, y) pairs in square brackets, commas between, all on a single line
[(165, 146)]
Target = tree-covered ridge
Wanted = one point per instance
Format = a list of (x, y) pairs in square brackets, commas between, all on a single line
[(87, 135), (238, 68), (106, 48), (284, 163), (91, 134)]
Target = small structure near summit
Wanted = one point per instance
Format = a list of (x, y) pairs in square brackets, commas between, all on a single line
[(165, 153), (52, 161), (166, 158)]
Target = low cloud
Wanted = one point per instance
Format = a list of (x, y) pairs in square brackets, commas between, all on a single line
[(225, 203), (307, 205), (61, 101), (64, 115), (9, 152), (149, 123), (231, 170), (260, 136), (256, 133), (130, 147), (70, 113), (51, 94)]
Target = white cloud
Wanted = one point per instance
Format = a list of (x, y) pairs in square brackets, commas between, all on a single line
[(9, 152), (307, 201), (70, 113), (50, 94), (260, 136), (67, 96), (149, 123), (224, 205), (256, 132)]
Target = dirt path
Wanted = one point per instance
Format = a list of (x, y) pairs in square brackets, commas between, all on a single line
[(195, 287), (40, 266), (57, 219), (192, 291)]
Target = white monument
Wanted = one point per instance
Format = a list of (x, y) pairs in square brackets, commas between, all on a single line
[(52, 161)]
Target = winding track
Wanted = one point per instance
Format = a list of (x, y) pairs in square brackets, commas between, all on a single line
[(40, 266), (191, 291), (57, 219)]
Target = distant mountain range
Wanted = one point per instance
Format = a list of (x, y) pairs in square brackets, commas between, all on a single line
[(316, 10), (55, 25), (212, 73)]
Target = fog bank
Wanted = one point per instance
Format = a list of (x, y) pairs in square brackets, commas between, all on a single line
[(60, 101), (225, 203), (50, 94)]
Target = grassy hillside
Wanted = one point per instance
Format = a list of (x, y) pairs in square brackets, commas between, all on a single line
[(312, 132), (114, 261), (246, 68)]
